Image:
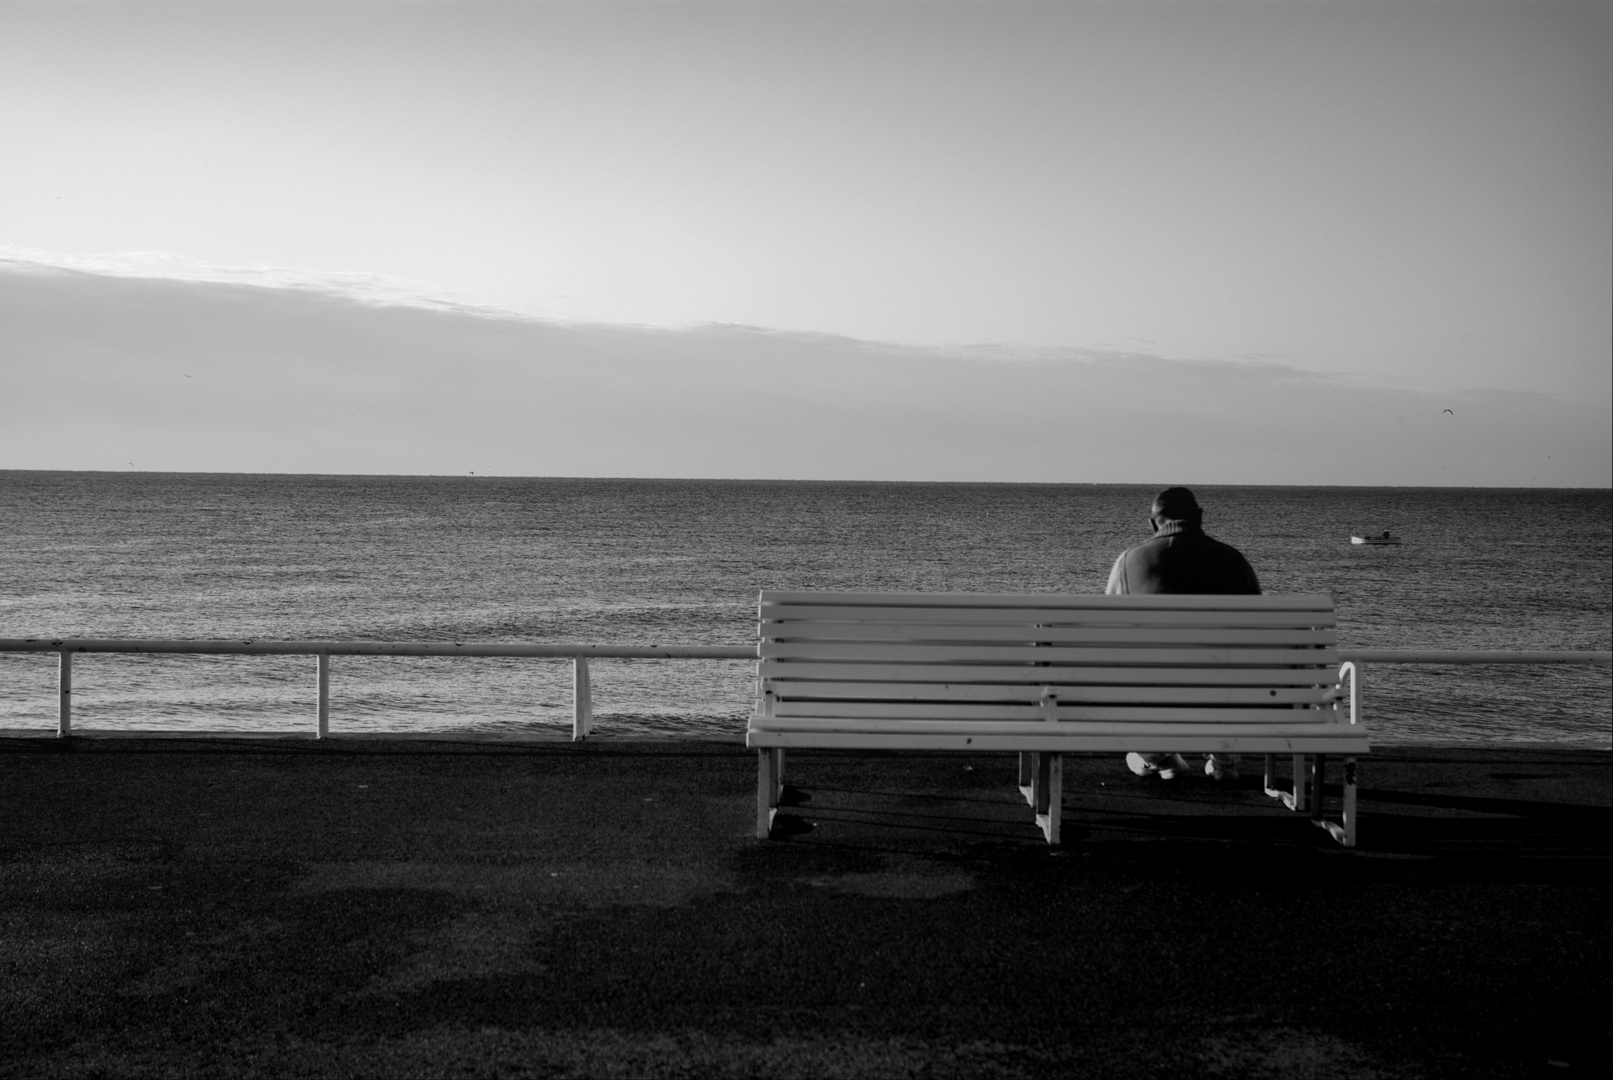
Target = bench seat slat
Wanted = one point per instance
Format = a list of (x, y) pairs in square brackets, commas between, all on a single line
[(1051, 616), (1182, 601), (916, 633), (1062, 729), (881, 651), (773, 669), (987, 712), (1029, 692), (1320, 738)]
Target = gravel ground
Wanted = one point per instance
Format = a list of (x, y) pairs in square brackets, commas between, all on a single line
[(411, 908)]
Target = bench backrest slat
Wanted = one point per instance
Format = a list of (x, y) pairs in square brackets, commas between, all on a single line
[(1105, 616), (926, 633), (1022, 727), (985, 711), (1063, 674), (1059, 601), (1032, 654)]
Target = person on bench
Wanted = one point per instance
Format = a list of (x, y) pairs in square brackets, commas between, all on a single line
[(1181, 559)]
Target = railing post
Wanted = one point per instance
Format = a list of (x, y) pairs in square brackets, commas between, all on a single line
[(322, 723), (1357, 695), (64, 696), (582, 699), (1318, 783)]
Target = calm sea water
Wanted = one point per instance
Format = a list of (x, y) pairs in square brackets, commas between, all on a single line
[(680, 562)]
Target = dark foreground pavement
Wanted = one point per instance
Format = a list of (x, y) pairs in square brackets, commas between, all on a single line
[(408, 908)]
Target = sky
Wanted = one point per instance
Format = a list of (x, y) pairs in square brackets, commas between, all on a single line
[(1092, 242)]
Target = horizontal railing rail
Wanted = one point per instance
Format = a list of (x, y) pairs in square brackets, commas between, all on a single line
[(582, 716), (580, 654), (1476, 656), (259, 647), (1357, 660)]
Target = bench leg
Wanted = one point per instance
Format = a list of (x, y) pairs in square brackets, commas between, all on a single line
[(1318, 777), (1294, 800), (769, 774), (1344, 833), (1312, 775), (1027, 773), (1049, 794), (1348, 839)]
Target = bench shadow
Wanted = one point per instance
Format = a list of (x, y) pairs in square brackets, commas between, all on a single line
[(1489, 837), (1601, 816), (1462, 828), (963, 828), (1582, 839), (1005, 797), (907, 811)]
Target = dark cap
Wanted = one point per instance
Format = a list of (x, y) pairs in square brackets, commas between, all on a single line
[(1176, 503)]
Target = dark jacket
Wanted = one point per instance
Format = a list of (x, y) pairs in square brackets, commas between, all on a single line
[(1181, 559)]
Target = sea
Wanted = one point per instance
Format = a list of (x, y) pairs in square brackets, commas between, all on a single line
[(658, 562)]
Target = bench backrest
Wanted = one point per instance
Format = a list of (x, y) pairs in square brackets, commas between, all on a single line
[(906, 657)]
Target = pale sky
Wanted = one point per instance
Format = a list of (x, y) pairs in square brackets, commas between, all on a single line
[(1387, 199)]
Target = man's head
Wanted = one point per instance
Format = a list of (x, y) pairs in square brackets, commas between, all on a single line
[(1175, 504)]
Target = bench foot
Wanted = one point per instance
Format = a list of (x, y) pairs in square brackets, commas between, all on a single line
[(1308, 790), (1296, 799), (1344, 832), (769, 783), (1044, 790)]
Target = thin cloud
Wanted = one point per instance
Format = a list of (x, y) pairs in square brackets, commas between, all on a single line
[(380, 290), (356, 285), (299, 379)]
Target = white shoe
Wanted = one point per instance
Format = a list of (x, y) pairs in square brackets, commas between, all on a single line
[(1216, 771), (1143, 767)]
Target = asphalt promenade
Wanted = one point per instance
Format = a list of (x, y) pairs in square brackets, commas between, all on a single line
[(425, 908)]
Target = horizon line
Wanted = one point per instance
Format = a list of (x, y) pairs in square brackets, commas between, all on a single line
[(789, 480)]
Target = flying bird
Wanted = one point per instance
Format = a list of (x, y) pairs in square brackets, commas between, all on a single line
[(1453, 414)]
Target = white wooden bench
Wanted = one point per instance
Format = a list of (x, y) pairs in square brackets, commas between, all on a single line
[(1046, 675)]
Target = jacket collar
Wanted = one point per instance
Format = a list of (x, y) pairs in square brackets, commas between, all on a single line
[(1173, 527)]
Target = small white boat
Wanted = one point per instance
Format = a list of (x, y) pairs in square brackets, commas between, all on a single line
[(1382, 538)]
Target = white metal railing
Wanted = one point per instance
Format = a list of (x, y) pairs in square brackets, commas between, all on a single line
[(1475, 656), (582, 693), (1358, 659), (582, 721)]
